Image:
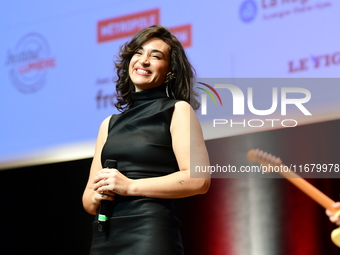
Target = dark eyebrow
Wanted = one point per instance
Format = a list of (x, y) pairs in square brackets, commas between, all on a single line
[(158, 51), (154, 51)]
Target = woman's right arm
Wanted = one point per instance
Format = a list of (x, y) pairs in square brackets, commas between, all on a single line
[(91, 198)]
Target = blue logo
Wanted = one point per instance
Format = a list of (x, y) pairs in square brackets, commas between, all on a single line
[(248, 11)]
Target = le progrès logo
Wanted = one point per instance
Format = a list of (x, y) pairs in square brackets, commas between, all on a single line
[(279, 101), (28, 63)]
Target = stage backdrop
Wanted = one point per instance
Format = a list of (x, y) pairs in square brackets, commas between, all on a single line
[(57, 60)]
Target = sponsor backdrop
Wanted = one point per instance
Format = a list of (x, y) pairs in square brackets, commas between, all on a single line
[(56, 76), (57, 66)]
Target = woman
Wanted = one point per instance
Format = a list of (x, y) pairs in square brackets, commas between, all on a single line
[(154, 140)]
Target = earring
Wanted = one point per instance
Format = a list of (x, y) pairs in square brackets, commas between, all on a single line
[(169, 77), (167, 90)]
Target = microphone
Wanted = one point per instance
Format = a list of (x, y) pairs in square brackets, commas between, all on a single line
[(103, 217)]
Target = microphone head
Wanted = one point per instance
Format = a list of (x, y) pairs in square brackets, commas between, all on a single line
[(110, 163)]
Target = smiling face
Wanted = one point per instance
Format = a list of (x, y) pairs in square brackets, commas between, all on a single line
[(150, 64)]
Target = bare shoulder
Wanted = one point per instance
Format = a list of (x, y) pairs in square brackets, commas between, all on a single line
[(104, 126), (103, 130), (105, 123), (184, 115), (183, 108), (182, 105)]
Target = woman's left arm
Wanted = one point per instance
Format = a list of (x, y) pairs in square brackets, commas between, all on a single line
[(189, 148)]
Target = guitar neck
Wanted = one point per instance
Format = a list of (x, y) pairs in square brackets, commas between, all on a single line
[(266, 159), (309, 190)]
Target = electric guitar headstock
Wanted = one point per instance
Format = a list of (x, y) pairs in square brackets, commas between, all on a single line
[(263, 158)]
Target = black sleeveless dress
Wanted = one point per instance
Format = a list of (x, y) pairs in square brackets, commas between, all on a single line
[(140, 140)]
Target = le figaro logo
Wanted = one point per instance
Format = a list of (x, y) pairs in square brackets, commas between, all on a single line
[(240, 101), (28, 63)]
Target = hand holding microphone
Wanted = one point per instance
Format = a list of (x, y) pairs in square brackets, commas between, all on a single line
[(103, 215), (109, 182)]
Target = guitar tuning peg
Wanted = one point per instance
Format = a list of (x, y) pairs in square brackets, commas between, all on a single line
[(260, 153), (273, 159), (278, 161)]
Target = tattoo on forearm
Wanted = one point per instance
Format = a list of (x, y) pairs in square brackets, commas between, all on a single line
[(181, 182)]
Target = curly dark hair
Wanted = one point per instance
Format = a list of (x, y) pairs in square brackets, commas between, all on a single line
[(181, 86)]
